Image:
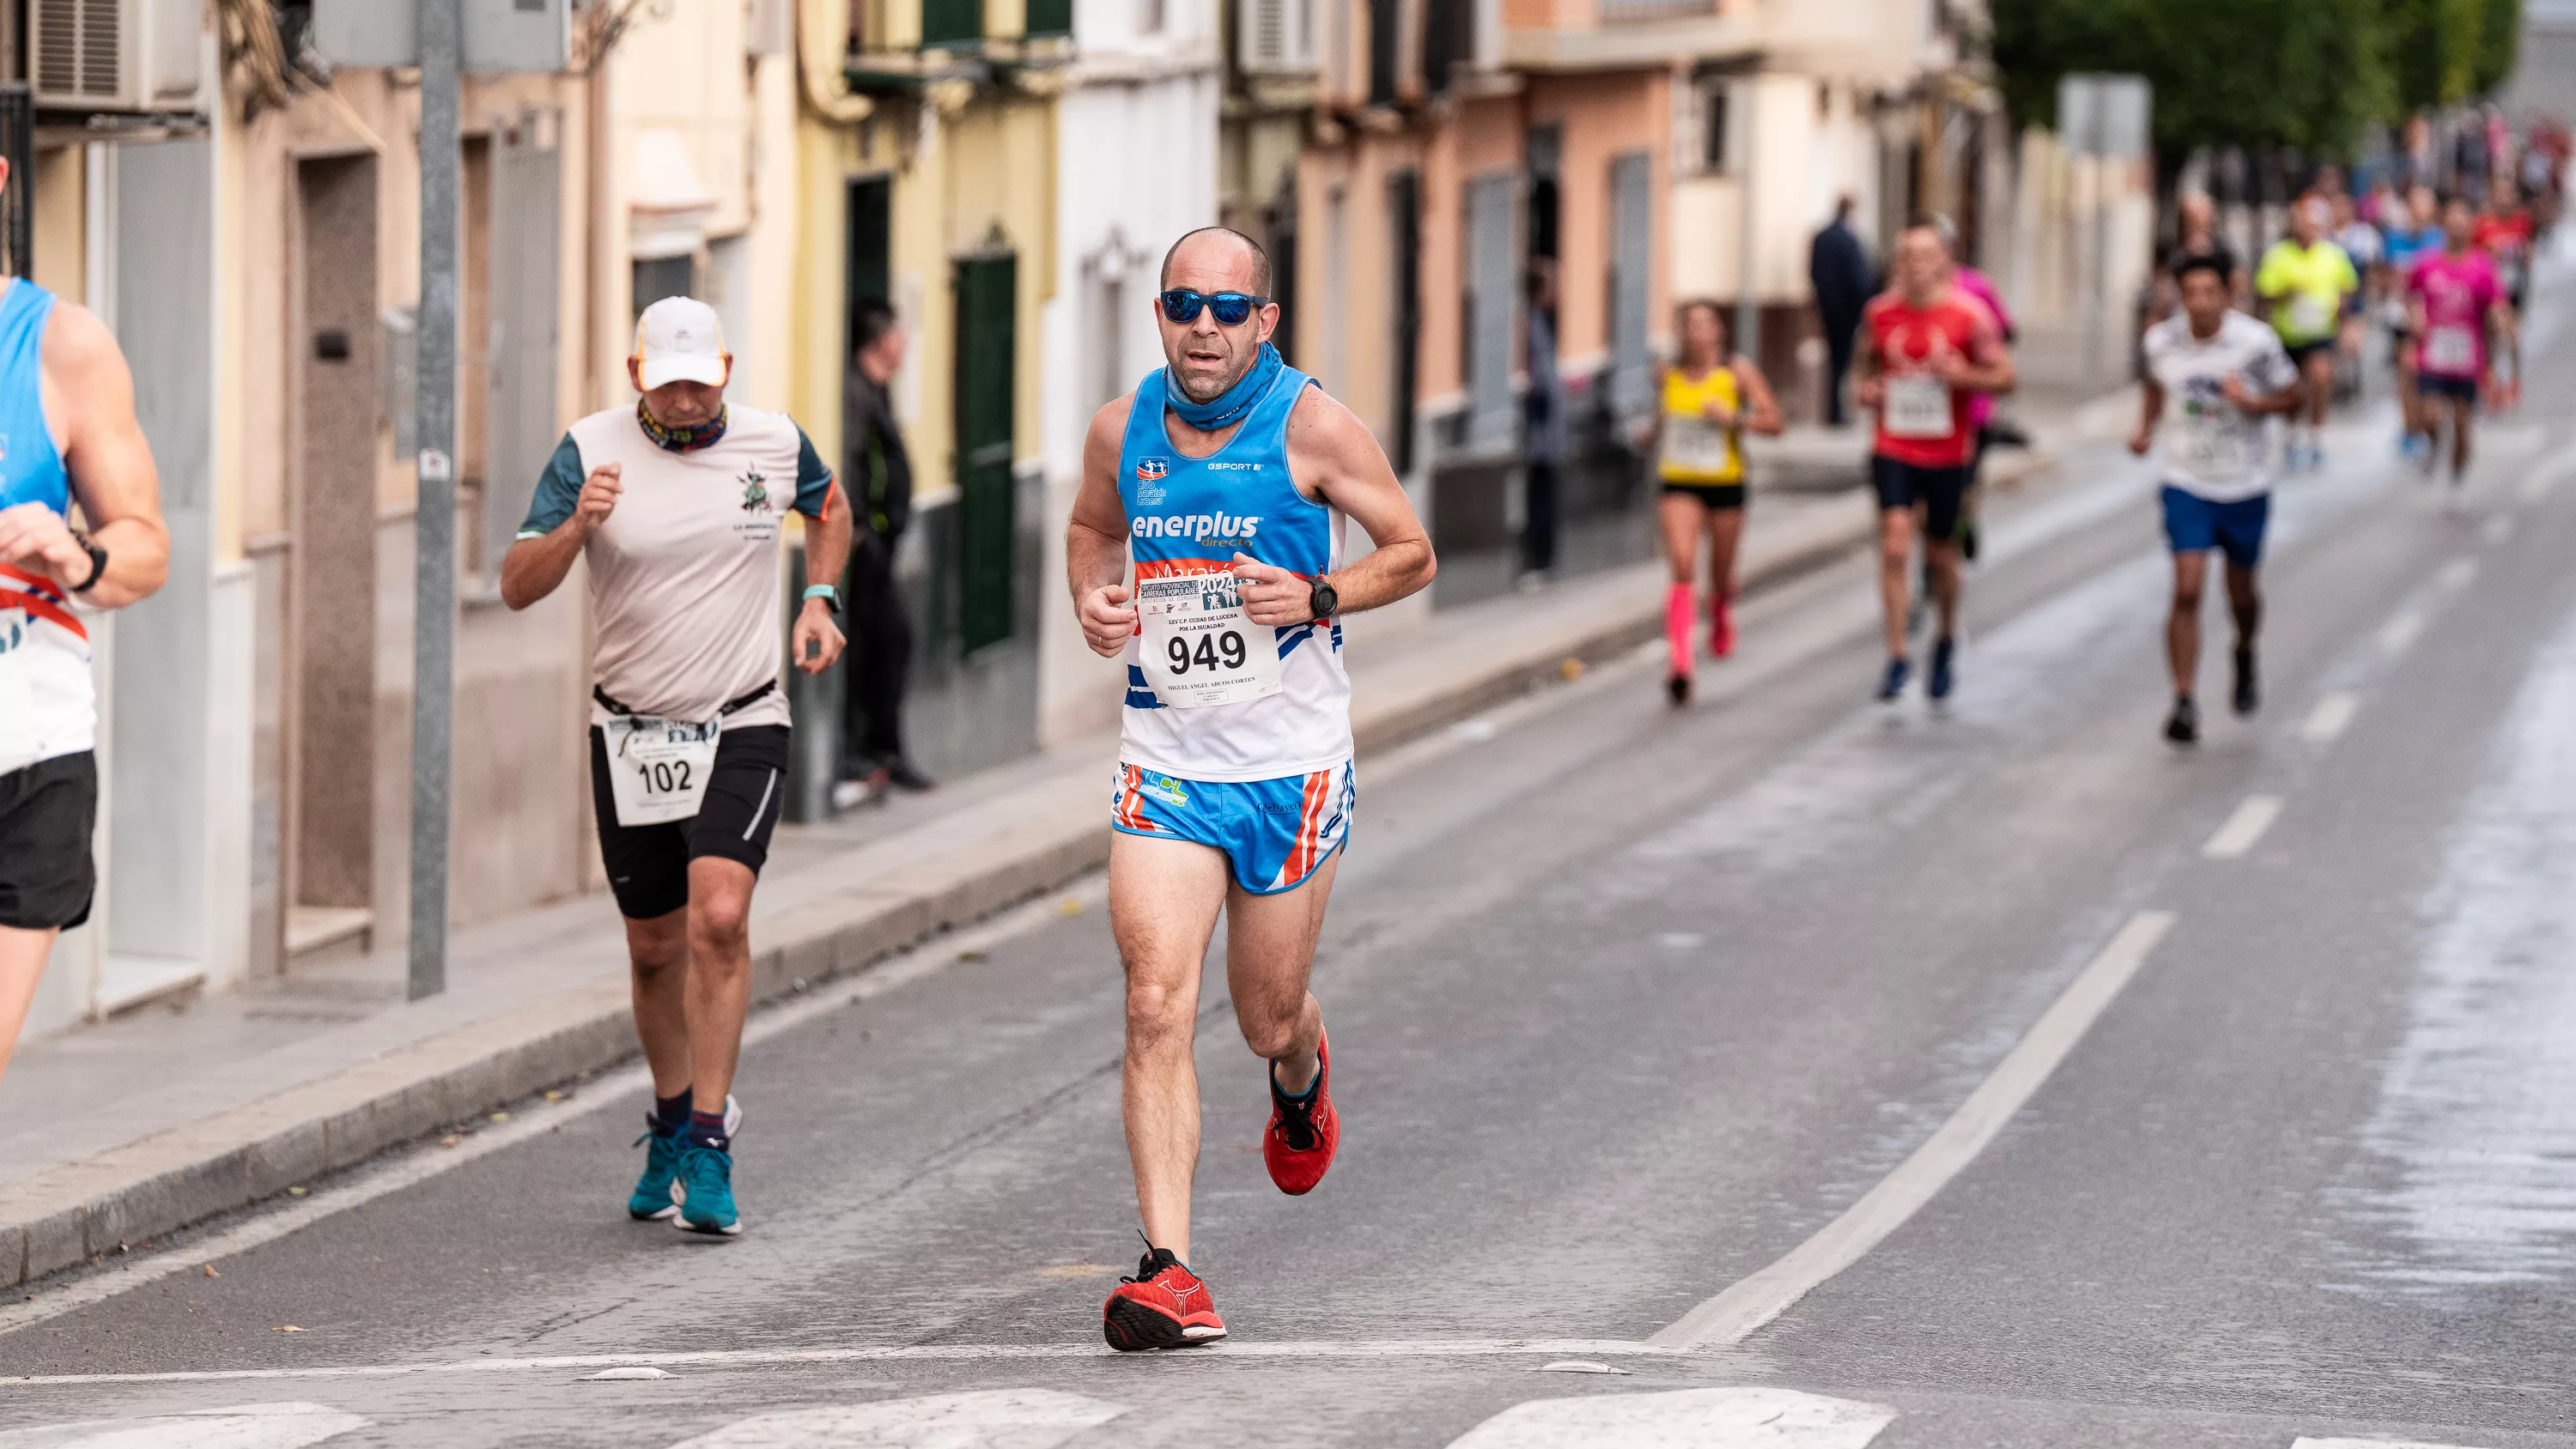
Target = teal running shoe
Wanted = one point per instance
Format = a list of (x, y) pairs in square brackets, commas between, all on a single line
[(653, 1198), (658, 1192), (706, 1192)]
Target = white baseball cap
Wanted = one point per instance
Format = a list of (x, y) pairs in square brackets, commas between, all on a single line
[(678, 339)]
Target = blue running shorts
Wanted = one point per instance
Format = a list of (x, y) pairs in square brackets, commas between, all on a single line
[(2193, 524), (1274, 831)]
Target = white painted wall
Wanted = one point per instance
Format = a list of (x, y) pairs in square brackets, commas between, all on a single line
[(1800, 160), (1136, 137)]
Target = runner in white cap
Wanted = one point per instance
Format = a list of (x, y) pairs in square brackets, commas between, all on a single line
[(67, 432), (676, 505)]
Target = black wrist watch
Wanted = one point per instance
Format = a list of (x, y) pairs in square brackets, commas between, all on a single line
[(1321, 601), (97, 562)]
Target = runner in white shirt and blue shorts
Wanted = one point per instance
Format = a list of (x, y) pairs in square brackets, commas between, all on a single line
[(1226, 477), (2223, 374)]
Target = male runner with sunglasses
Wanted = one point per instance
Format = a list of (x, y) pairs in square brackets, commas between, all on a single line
[(1227, 476)]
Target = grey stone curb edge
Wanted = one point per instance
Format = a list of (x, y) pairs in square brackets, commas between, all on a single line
[(155, 1202)]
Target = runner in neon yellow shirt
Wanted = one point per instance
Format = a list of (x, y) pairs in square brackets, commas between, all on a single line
[(2304, 280)]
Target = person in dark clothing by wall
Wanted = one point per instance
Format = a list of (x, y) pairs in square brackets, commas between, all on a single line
[(877, 472), (1839, 272), (1543, 441)]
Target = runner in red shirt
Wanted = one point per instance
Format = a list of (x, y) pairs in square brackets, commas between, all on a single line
[(1926, 349)]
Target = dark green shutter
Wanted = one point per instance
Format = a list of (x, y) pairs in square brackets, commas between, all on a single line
[(986, 314), (952, 22)]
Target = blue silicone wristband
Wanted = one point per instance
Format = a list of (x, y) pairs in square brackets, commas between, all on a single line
[(823, 591)]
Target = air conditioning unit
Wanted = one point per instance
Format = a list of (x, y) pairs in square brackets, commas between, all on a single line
[(1275, 37), (118, 55)]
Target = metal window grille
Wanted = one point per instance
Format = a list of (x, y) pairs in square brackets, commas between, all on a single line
[(18, 147)]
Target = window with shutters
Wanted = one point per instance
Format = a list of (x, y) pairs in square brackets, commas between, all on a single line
[(1274, 36), (986, 349), (1631, 252), (1492, 307)]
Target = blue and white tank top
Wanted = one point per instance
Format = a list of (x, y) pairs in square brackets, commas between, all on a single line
[(1188, 516), (47, 704)]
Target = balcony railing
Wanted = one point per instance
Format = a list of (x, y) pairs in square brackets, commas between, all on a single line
[(1615, 10)]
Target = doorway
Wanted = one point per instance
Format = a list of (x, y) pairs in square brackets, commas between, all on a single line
[(987, 305), (331, 678)]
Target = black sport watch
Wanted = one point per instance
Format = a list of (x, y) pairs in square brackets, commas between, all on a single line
[(1321, 601), (97, 562)]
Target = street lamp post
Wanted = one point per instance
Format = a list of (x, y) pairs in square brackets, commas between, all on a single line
[(434, 521)]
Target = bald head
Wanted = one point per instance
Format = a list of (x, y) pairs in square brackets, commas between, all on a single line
[(1221, 250)]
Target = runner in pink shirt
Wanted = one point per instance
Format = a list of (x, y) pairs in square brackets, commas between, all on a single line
[(2455, 298)]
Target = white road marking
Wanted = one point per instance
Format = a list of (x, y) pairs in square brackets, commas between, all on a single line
[(630, 1371), (402, 1169), (1580, 1366), (2366, 1444), (2458, 573), (2326, 722), (2498, 529), (1734, 1315), (243, 1426), (883, 1353), (987, 1419), (2401, 630), (2243, 828), (2542, 479), (1747, 1418)]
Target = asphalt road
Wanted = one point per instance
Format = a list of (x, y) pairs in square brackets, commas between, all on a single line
[(1711, 1048)]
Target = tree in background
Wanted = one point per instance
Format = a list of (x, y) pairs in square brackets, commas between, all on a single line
[(2310, 75), (2307, 75)]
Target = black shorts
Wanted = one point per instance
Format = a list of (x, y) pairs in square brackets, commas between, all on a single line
[(48, 812), (648, 865), (2302, 351), (1939, 490), (1713, 495), (2457, 389)]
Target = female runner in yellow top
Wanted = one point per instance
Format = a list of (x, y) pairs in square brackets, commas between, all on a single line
[(1710, 400)]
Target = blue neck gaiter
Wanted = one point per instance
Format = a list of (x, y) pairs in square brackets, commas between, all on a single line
[(1231, 406)]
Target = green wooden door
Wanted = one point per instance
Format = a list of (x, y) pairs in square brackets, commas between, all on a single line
[(987, 294)]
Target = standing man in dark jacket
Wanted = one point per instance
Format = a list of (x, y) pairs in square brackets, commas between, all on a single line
[(1543, 443), (1839, 272), (879, 473)]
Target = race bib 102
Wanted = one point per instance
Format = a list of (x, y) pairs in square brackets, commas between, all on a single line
[(1917, 407), (1196, 646), (658, 768)]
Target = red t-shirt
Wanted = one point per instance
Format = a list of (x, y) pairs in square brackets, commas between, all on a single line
[(1923, 421)]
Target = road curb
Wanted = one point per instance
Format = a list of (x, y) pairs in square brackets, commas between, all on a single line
[(121, 1198)]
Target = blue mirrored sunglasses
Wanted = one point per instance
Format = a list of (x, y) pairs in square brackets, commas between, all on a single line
[(1232, 308)]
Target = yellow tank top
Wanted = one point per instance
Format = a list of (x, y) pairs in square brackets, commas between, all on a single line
[(1695, 450)]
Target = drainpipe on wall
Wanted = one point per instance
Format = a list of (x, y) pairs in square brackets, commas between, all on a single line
[(1748, 306)]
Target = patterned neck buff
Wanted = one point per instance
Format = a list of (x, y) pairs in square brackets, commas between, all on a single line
[(682, 440)]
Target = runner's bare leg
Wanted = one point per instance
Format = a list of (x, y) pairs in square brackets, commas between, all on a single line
[(657, 955), (22, 967), (1164, 896), (1269, 955), (719, 976)]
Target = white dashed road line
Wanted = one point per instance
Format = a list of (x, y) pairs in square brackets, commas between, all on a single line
[(718, 1358), (1739, 1418), (2401, 630), (1001, 1418), (1734, 1315), (2333, 714), (242, 1426), (2243, 828)]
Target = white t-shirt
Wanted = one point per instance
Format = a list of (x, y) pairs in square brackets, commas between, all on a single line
[(2211, 447), (686, 573)]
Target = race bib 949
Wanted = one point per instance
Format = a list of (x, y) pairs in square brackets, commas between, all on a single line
[(1197, 647)]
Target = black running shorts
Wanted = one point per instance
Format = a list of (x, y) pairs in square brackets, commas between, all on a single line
[(1939, 490), (47, 814), (648, 865)]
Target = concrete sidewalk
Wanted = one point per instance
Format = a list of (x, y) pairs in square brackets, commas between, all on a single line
[(150, 1122)]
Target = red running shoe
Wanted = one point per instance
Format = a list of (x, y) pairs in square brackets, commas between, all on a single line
[(1298, 1148), (1163, 1306), (1721, 628)]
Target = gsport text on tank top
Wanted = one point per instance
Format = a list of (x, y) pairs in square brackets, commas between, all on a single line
[(1187, 518)]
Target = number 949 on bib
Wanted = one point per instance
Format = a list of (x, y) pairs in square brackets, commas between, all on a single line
[(1197, 647)]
